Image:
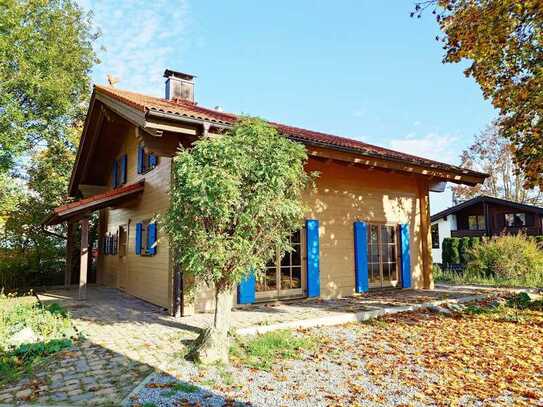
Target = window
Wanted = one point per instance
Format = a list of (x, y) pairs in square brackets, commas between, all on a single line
[(146, 238), (119, 171), (146, 161), (383, 267), (435, 236), (284, 273), (515, 220), (109, 244), (476, 222)]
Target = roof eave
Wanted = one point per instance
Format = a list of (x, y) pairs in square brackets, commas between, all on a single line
[(478, 176)]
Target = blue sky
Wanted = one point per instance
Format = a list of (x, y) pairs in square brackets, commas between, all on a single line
[(361, 69)]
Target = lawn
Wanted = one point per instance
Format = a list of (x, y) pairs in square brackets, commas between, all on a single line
[(489, 352), (29, 334)]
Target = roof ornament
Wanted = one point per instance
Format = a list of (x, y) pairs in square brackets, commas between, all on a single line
[(112, 80)]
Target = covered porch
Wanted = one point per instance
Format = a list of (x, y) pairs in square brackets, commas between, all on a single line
[(77, 216)]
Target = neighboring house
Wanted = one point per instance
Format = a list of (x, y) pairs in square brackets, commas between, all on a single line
[(368, 225), (484, 216)]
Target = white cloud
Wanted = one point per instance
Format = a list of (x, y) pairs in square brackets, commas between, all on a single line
[(440, 147), (434, 146), (139, 40)]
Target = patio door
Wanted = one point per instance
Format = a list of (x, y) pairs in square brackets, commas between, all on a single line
[(283, 276), (383, 260)]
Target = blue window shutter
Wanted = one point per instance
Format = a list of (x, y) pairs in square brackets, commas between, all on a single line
[(247, 290), (115, 173), (141, 153), (139, 228), (152, 160), (406, 256), (361, 257), (124, 167), (151, 239), (313, 260)]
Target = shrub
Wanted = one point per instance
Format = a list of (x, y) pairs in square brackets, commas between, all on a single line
[(455, 251), (445, 251), (508, 257), (463, 249), (539, 241)]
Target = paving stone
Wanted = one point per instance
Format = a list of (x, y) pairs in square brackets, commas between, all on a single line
[(23, 394), (83, 397), (88, 380), (74, 392), (59, 396), (6, 398)]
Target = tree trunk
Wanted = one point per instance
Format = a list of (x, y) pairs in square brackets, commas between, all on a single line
[(213, 344)]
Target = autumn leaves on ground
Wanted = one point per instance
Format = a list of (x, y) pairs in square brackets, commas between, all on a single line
[(484, 353), (491, 351)]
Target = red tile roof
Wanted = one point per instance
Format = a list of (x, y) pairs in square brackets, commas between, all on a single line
[(191, 110), (93, 202), (99, 197)]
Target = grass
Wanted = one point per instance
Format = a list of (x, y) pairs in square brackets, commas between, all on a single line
[(533, 280), (50, 328), (262, 351)]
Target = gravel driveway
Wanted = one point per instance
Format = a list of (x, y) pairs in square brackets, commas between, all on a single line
[(337, 376)]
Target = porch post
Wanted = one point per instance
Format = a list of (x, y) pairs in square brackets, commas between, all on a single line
[(69, 254), (84, 258), (426, 236)]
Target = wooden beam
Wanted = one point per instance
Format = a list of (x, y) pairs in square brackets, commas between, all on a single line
[(69, 254), (84, 258), (426, 235), (383, 164)]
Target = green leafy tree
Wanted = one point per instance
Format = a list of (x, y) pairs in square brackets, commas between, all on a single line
[(235, 200), (46, 56), (29, 253), (503, 40)]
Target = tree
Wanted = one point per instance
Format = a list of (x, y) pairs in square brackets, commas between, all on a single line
[(235, 200), (503, 39), (30, 254), (493, 154), (46, 56)]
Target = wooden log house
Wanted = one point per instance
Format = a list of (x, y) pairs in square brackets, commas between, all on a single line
[(368, 227)]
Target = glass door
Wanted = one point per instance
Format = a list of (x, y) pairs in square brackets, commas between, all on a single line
[(283, 276), (383, 265)]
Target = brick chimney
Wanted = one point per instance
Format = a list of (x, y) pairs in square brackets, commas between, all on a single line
[(179, 85)]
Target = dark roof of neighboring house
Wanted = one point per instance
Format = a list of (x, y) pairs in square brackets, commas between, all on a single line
[(191, 110), (487, 199)]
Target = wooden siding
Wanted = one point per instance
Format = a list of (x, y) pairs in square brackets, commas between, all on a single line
[(495, 219), (146, 277), (343, 195)]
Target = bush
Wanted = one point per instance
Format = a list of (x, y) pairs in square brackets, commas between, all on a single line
[(463, 250), (539, 241), (508, 257)]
